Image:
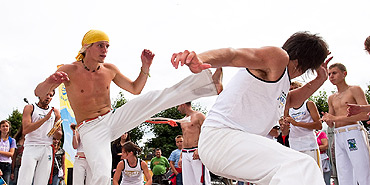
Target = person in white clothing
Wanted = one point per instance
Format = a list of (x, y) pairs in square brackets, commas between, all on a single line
[(131, 167), (233, 139), (87, 82), (38, 119), (81, 170), (304, 119), (351, 152)]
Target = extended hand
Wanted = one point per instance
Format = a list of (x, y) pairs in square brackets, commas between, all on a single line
[(190, 59), (322, 71), (353, 109), (58, 77)]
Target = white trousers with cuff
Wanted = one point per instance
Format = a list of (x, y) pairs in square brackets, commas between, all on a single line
[(247, 157), (97, 134)]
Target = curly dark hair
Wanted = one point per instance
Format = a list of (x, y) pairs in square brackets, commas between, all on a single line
[(309, 49)]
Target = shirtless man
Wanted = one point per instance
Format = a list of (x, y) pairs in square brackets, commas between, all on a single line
[(351, 154), (192, 168), (87, 83), (232, 142)]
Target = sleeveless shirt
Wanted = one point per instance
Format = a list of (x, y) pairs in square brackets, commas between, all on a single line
[(132, 175), (250, 104), (301, 138), (39, 136)]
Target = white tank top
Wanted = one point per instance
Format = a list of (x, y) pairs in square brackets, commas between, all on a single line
[(249, 103), (39, 136), (132, 175), (300, 138)]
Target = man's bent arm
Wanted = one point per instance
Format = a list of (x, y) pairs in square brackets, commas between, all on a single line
[(50, 83), (27, 124)]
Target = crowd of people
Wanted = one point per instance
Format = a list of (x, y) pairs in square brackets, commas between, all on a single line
[(245, 112)]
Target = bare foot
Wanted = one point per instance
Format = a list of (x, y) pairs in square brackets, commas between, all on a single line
[(217, 79)]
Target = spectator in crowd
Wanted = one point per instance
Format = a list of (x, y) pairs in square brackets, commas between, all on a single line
[(322, 141), (174, 160), (59, 167), (38, 119), (7, 148), (274, 132), (17, 157), (304, 119), (81, 170), (283, 137), (351, 151), (159, 165), (132, 168), (117, 149)]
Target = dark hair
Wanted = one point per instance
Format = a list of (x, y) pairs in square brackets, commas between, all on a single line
[(118, 140), (188, 103), (367, 44), (3, 122), (309, 49), (158, 149), (131, 147)]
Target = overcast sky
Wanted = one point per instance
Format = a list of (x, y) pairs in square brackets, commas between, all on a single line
[(39, 35)]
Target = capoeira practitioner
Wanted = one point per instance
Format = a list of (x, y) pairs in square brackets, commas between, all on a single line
[(81, 170), (193, 170), (232, 142), (304, 120), (87, 83), (351, 152), (37, 159)]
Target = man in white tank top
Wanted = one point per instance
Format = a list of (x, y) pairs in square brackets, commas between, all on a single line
[(232, 142), (303, 120), (37, 156)]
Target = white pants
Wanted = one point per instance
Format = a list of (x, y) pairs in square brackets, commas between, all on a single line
[(193, 171), (315, 154), (81, 171), (97, 134), (352, 157), (247, 157), (36, 165)]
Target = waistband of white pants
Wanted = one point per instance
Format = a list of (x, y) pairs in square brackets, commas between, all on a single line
[(189, 150), (347, 128)]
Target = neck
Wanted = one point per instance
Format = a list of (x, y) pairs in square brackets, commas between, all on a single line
[(292, 69), (42, 105), (3, 135), (90, 65), (342, 86), (189, 111), (132, 160)]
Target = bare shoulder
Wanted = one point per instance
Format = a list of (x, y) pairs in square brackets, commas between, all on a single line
[(28, 108), (355, 89), (68, 68), (143, 164), (275, 55)]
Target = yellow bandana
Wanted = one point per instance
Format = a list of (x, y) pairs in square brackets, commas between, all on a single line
[(90, 37)]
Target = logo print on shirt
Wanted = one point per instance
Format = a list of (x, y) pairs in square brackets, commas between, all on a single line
[(352, 144), (282, 99)]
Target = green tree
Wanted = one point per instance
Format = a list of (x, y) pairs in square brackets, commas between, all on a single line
[(16, 121), (138, 132), (321, 101)]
